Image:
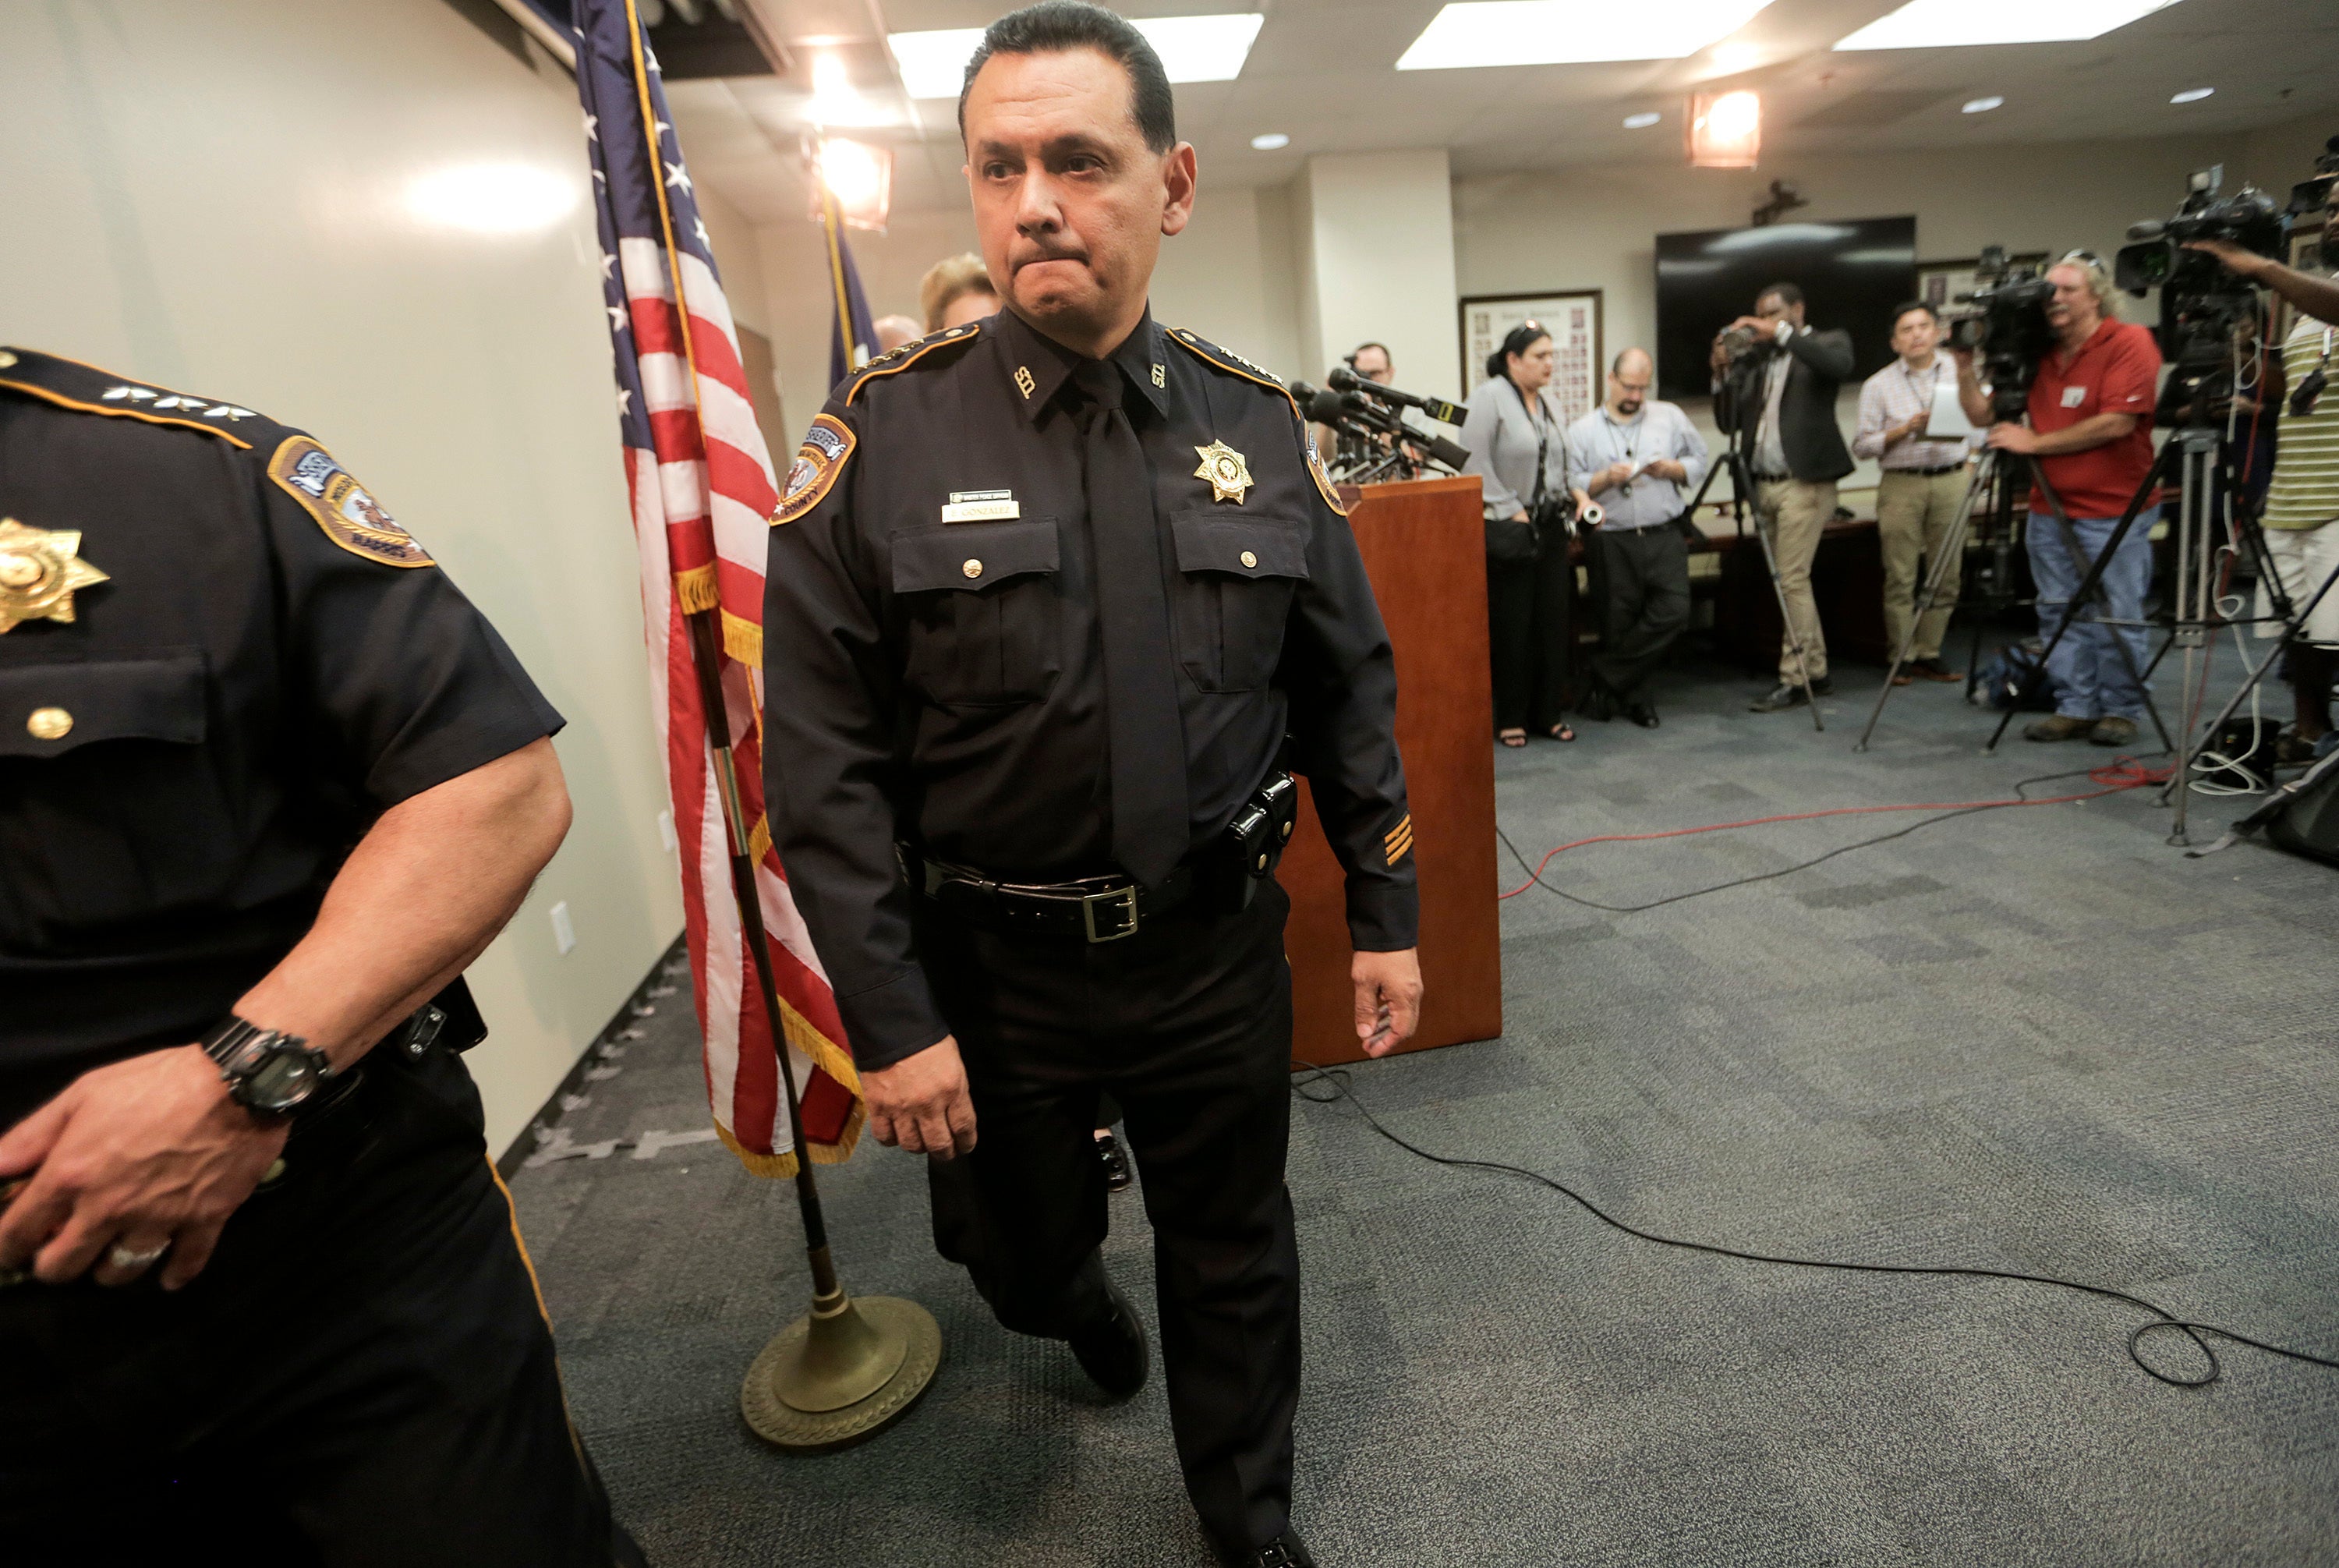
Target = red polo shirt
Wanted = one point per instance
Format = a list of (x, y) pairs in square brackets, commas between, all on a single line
[(2115, 371)]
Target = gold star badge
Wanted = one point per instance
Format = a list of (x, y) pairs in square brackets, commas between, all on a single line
[(1229, 474), (39, 571)]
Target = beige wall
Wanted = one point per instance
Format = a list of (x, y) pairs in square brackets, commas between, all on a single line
[(213, 196)]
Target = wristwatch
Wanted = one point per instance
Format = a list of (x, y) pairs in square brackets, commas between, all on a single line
[(267, 1072)]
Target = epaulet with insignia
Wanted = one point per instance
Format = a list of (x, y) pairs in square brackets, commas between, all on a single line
[(901, 357), (294, 460), (1227, 359)]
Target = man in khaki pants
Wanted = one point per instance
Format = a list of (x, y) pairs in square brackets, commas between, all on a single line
[(1786, 401), (1922, 485)]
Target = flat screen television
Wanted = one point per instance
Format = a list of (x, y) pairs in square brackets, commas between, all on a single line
[(1852, 271)]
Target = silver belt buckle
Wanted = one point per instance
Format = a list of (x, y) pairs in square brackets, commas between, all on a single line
[(1124, 898)]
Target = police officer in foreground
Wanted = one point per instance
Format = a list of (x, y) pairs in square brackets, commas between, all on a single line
[(268, 784), (1046, 593)]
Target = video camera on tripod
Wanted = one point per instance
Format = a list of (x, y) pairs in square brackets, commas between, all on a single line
[(2007, 330), (2208, 315)]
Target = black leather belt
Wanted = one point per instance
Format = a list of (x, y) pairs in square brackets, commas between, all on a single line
[(1929, 473), (1095, 909)]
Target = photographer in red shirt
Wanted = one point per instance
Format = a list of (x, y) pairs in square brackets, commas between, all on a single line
[(2090, 426)]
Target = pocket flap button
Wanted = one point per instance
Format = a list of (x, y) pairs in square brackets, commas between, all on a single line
[(972, 568)]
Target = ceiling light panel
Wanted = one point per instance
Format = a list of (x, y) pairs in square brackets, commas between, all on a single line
[(1568, 31), (1951, 24), (1192, 49)]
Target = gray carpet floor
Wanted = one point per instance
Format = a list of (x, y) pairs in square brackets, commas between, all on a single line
[(2038, 1040)]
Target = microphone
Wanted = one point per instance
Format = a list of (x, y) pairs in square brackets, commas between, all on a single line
[(1346, 380), (1449, 453)]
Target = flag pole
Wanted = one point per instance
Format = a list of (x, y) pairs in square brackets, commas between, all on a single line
[(846, 1369)]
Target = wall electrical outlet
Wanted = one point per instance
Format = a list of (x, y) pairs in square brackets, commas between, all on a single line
[(564, 930), (666, 834)]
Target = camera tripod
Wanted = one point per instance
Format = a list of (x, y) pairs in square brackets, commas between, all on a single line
[(1743, 495), (1999, 471)]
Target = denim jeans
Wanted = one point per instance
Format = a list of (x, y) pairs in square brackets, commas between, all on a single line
[(2091, 680)]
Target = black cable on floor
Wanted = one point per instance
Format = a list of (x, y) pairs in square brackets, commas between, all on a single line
[(2163, 1320), (1784, 871)]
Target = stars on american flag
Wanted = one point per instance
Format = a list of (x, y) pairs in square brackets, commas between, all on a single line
[(592, 127), (609, 266), (678, 178), (616, 318), (698, 227), (625, 402)]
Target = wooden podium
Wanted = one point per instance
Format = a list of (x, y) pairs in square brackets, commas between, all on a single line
[(1424, 546)]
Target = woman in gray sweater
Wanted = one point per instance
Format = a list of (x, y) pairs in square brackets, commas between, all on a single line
[(1518, 448)]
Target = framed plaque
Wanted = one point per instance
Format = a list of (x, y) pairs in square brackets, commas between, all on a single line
[(1571, 318)]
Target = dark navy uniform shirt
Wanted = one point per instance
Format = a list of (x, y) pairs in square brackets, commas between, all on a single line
[(270, 662), (933, 663)]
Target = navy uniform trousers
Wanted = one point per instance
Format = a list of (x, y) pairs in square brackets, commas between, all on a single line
[(362, 1377), (1187, 1024)]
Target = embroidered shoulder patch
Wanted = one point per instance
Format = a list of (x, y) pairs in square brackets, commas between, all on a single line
[(818, 462), (344, 509), (1315, 471)]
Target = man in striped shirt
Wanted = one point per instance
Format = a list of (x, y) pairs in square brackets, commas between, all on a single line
[(2302, 502), (1922, 485)]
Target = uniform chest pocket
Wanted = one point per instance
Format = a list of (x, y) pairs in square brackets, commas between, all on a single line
[(49, 709), (982, 599), (1239, 573)]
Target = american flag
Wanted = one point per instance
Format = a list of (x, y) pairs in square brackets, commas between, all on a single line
[(700, 480)]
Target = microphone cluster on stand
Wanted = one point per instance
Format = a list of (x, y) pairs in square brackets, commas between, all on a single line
[(1391, 448)]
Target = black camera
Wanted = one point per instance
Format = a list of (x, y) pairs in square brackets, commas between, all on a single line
[(2005, 331), (2208, 315)]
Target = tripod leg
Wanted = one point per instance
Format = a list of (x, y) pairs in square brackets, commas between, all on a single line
[(2094, 588), (1953, 549), (2089, 583)]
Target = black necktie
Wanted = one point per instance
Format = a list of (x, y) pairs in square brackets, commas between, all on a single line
[(1149, 830)]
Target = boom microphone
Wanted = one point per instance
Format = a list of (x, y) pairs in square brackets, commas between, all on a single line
[(1346, 380)]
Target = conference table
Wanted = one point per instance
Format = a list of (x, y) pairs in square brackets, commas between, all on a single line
[(1423, 546)]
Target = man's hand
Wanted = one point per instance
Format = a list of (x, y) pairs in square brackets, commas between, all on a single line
[(920, 1103), (1906, 429), (2245, 263), (141, 1154), (1757, 325), (1613, 475), (2020, 439), (1388, 998), (1666, 469)]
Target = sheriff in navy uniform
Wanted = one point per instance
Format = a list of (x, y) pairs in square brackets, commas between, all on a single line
[(268, 784), (1046, 595)]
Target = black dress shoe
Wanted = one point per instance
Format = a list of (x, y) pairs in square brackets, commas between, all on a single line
[(1784, 695), (1112, 1350), (1114, 1160), (1285, 1551), (1643, 713), (1598, 703)]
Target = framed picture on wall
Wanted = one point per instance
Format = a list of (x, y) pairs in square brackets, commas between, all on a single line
[(1573, 319), (1939, 283)]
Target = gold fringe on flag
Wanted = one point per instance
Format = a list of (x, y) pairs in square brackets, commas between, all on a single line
[(695, 590)]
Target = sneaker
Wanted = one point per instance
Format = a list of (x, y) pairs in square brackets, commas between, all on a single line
[(2112, 730), (2062, 727), (1784, 695)]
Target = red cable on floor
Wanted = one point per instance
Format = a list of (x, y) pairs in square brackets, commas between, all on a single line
[(2121, 774)]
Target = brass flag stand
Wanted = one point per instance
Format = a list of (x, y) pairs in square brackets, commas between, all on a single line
[(848, 1368)]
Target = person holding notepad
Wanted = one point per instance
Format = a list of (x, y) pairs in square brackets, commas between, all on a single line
[(1911, 423)]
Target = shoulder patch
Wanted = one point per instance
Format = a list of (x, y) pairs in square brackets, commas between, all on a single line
[(1226, 360), (903, 356), (818, 463), (344, 509)]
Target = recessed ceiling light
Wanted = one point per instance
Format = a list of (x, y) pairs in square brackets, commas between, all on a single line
[(2192, 95), (1946, 23), (1480, 32), (1642, 121), (1980, 105), (1270, 142), (1192, 49)]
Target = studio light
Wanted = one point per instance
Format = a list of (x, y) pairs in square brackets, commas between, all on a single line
[(1641, 121), (860, 176), (492, 198), (1949, 23), (1980, 105), (1482, 32), (1192, 49), (1273, 141), (1725, 130)]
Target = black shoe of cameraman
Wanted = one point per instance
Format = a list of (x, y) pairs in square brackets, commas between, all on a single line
[(1114, 1160), (1599, 702), (1783, 695), (1641, 712)]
